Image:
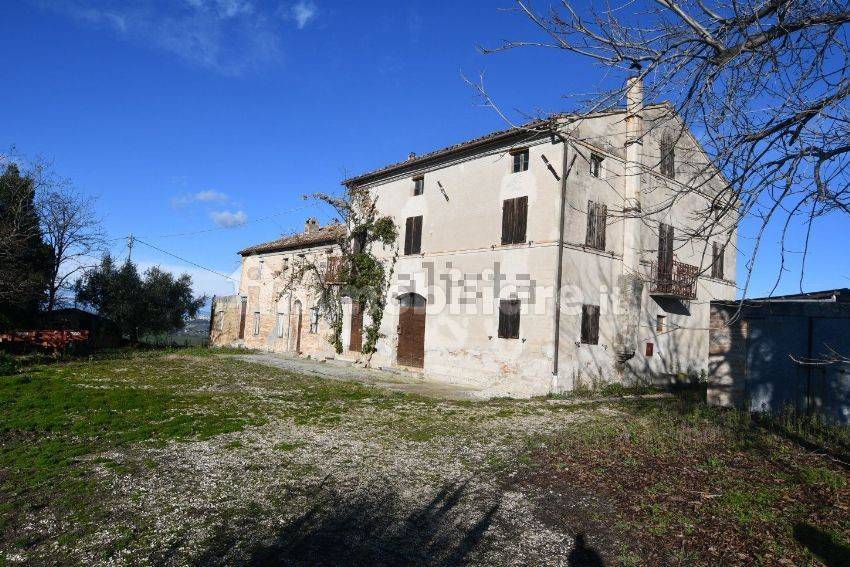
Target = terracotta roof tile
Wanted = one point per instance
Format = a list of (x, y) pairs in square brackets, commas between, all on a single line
[(322, 235), (533, 129)]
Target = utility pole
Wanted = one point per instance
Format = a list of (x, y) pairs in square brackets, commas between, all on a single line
[(130, 248)]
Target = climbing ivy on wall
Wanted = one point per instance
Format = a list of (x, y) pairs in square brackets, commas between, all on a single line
[(368, 251)]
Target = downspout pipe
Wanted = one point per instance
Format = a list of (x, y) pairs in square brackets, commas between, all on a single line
[(565, 170)]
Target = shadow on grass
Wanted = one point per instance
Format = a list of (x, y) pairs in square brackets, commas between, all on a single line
[(822, 545), (835, 446), (372, 529), (583, 555)]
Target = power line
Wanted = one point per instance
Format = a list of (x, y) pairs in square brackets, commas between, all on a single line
[(136, 239)]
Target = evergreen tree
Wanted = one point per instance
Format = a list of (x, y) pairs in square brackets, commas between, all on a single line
[(140, 305), (25, 258)]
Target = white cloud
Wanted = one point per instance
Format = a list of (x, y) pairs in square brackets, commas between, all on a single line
[(208, 196), (229, 219), (304, 12), (226, 36)]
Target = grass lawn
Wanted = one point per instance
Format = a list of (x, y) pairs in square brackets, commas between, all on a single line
[(673, 482), (185, 457)]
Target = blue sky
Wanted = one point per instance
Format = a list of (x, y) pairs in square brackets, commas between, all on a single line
[(192, 115)]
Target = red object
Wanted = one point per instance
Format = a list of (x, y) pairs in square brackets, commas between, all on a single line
[(650, 347), (55, 340)]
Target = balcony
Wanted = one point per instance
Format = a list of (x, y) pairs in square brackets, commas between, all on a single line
[(678, 282)]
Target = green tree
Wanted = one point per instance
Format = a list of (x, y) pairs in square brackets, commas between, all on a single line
[(155, 302), (25, 258)]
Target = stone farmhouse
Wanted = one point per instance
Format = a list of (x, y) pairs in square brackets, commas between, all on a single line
[(529, 262)]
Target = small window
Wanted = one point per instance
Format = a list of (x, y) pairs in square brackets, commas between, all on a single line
[(717, 253), (256, 323), (280, 322), (314, 320), (650, 349), (668, 156), (597, 217), (514, 220), (413, 236), (660, 323), (596, 165), (509, 318), (520, 160), (418, 185), (219, 317), (590, 324), (285, 265)]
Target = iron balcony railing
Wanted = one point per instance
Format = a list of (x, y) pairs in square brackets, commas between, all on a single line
[(678, 280)]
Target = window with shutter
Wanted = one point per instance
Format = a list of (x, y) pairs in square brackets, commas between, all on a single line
[(413, 236), (509, 318), (418, 185), (717, 260), (520, 160), (668, 155), (596, 165), (665, 252), (597, 214), (514, 220), (590, 324)]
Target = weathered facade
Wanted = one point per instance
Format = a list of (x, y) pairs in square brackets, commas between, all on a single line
[(513, 221)]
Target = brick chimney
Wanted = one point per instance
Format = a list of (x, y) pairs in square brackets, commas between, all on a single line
[(630, 282), (311, 225)]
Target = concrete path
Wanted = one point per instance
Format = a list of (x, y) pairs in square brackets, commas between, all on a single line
[(341, 370)]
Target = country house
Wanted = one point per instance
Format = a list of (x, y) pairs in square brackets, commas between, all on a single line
[(566, 251)]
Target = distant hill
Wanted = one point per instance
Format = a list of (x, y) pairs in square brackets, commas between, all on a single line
[(199, 326), (196, 332)]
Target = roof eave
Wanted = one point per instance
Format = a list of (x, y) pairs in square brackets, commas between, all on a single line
[(536, 129)]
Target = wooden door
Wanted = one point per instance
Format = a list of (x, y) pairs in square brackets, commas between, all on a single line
[(242, 316), (297, 324), (355, 337), (411, 331)]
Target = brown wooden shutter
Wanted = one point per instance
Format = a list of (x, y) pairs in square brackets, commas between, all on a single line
[(514, 220), (416, 245), (242, 316), (590, 236), (590, 324), (717, 260), (601, 225), (355, 337), (665, 251), (597, 214), (509, 318), (408, 235), (508, 214), (521, 217)]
